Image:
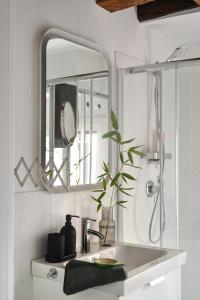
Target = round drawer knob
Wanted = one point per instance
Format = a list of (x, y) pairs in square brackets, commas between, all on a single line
[(53, 273)]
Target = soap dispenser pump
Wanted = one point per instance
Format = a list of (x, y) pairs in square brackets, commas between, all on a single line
[(70, 235)]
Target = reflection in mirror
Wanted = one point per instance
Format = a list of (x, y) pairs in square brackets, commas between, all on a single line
[(75, 107), (67, 123)]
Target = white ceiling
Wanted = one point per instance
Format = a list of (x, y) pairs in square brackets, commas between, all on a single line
[(183, 27), (168, 33)]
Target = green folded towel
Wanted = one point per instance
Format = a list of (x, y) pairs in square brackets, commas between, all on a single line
[(81, 275)]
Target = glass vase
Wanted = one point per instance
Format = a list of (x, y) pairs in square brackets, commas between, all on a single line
[(107, 226)]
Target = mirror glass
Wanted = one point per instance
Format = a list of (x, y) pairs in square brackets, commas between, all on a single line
[(74, 114)]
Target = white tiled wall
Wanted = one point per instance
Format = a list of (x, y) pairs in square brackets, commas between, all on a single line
[(38, 212), (139, 105), (176, 32)]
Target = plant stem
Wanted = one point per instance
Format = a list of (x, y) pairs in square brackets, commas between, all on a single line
[(111, 200)]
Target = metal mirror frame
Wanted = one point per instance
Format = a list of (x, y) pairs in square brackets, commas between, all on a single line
[(48, 35)]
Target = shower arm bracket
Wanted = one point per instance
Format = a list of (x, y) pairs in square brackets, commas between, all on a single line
[(154, 157)]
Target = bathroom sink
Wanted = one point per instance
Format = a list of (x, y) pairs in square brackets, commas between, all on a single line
[(131, 256), (144, 265)]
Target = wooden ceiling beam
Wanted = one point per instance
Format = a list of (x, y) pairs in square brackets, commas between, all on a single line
[(116, 5), (197, 2), (161, 8)]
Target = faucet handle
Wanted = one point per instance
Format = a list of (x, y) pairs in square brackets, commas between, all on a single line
[(85, 220)]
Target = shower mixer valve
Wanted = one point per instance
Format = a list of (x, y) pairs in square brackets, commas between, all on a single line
[(151, 188)]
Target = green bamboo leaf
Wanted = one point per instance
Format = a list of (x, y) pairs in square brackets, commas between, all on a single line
[(101, 196), (99, 206), (129, 165), (97, 191), (72, 140), (99, 180), (113, 182), (109, 134), (105, 167), (136, 147), (123, 178), (139, 153), (96, 200), (80, 160), (115, 140), (49, 173), (125, 193), (121, 157), (104, 184), (119, 138), (102, 175), (127, 142), (127, 189), (130, 177), (130, 157), (126, 161), (121, 203), (114, 120)]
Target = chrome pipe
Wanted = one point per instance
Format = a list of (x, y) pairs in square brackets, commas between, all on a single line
[(91, 129), (95, 94), (157, 104), (82, 77), (84, 133), (51, 125), (177, 105), (161, 150), (163, 66)]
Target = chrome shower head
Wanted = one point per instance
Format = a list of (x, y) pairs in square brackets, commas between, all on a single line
[(177, 52)]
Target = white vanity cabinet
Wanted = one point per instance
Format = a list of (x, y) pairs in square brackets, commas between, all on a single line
[(152, 274), (166, 287), (44, 289)]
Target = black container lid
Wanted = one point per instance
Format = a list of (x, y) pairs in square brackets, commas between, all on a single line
[(69, 218)]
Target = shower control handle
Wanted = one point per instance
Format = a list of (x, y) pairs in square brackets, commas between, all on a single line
[(151, 188)]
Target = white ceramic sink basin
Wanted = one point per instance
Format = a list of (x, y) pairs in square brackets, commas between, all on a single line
[(143, 265), (131, 256)]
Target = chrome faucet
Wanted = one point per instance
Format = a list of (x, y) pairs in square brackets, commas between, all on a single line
[(86, 232)]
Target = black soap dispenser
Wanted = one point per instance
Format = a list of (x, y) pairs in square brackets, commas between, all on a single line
[(70, 236)]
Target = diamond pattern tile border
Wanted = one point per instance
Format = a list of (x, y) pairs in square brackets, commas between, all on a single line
[(39, 176)]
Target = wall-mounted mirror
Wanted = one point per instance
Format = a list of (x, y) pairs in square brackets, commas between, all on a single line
[(75, 109)]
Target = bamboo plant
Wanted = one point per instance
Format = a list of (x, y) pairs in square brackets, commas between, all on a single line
[(114, 184)]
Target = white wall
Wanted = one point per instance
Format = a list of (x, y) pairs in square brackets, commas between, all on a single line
[(6, 154), (139, 107), (165, 35), (189, 170), (163, 38), (38, 212)]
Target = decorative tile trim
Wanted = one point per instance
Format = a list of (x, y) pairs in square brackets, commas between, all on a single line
[(40, 174), (22, 164)]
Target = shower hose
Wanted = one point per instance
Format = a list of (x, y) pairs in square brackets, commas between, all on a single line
[(158, 196)]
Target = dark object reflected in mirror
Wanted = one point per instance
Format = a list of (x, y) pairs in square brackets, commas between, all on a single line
[(67, 124), (65, 106), (75, 107)]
